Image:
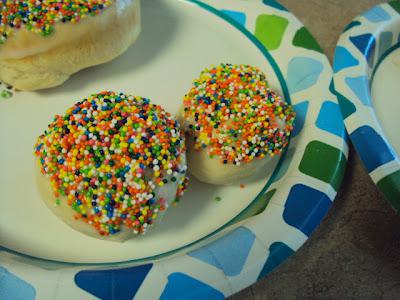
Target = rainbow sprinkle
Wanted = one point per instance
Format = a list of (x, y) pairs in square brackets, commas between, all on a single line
[(108, 155), (232, 112), (41, 15)]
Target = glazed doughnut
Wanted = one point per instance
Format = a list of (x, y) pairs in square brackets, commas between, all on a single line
[(111, 165), (234, 123), (43, 42)]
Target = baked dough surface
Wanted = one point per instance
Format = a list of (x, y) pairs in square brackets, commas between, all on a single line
[(30, 61)]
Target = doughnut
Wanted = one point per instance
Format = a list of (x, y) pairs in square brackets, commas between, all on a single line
[(43, 42), (234, 123), (111, 165)]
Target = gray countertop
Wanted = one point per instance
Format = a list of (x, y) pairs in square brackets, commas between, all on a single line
[(355, 252)]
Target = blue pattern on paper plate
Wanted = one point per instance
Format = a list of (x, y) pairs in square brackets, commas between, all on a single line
[(305, 208), (181, 286), (372, 148), (329, 118), (359, 86), (368, 44), (343, 59), (236, 15), (385, 42), (303, 73), (14, 288), (376, 15), (278, 253), (301, 115), (231, 263), (113, 284)]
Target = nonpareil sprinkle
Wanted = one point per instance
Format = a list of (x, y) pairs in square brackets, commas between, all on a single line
[(41, 16), (108, 156), (232, 112)]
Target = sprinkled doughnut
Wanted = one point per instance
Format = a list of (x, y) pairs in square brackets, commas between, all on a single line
[(43, 42), (234, 121), (115, 163), (41, 17)]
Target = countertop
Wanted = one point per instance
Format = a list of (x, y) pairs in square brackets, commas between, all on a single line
[(355, 252)]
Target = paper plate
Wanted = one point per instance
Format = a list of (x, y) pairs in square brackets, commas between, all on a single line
[(205, 249), (367, 72)]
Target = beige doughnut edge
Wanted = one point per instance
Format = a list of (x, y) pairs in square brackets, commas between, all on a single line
[(66, 214)]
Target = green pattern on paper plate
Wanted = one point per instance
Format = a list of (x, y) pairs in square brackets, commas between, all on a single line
[(351, 25), (359, 52), (304, 39), (256, 207), (320, 161), (395, 5), (285, 165), (270, 30), (346, 106), (390, 186), (5, 94)]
